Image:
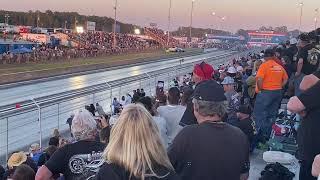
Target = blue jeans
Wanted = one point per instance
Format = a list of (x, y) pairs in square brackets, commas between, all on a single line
[(266, 110)]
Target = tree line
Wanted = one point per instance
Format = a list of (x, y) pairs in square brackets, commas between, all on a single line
[(50, 19)]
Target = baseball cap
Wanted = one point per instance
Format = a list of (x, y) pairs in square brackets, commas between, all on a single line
[(239, 69), (209, 91), (203, 70), (245, 109), (227, 80), (293, 41), (83, 121), (232, 70), (16, 159)]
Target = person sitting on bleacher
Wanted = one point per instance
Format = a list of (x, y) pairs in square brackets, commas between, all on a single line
[(79, 160), (211, 149), (246, 124), (233, 99), (135, 150)]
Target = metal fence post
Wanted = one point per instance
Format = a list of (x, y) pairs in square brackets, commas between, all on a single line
[(7, 148), (110, 87), (59, 116), (149, 82), (40, 123), (176, 71), (168, 81)]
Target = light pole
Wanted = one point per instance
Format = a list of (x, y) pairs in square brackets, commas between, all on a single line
[(213, 14), (222, 21), (169, 22), (38, 19), (301, 13), (191, 19), (75, 23), (6, 19), (316, 19), (221, 18), (115, 24)]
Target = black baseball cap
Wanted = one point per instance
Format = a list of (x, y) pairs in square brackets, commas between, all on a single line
[(245, 109), (209, 91)]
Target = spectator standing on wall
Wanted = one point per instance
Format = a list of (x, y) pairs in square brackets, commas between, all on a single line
[(100, 110)]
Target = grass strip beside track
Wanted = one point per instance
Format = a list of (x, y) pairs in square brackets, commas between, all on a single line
[(103, 61)]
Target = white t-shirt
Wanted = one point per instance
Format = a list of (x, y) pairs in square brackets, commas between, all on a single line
[(128, 100), (162, 126), (113, 119), (172, 114)]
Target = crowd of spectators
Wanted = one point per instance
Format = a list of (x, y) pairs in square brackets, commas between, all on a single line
[(162, 36), (236, 46), (104, 40), (205, 127), (90, 45)]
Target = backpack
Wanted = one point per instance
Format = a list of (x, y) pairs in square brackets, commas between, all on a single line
[(276, 171)]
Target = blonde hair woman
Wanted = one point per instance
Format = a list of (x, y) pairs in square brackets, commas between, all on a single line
[(135, 150)]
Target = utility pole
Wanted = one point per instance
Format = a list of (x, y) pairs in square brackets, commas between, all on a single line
[(65, 26), (301, 13), (191, 20), (115, 25), (169, 22), (75, 23), (38, 20), (316, 19)]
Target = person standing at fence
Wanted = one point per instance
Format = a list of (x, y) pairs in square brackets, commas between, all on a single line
[(172, 113), (100, 110), (271, 78), (69, 122)]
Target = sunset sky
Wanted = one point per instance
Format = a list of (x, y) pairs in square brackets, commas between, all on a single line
[(247, 14)]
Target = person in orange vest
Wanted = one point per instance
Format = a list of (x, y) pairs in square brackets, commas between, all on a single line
[(271, 78)]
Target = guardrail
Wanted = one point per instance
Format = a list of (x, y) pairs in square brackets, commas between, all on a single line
[(34, 120)]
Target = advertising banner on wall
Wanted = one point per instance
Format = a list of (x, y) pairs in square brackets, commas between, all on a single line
[(91, 26)]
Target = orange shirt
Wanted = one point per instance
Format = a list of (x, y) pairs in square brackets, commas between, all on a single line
[(272, 74)]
